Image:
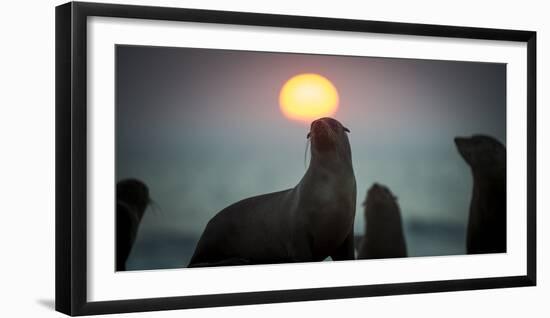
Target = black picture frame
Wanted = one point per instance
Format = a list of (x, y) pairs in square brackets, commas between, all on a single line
[(71, 157)]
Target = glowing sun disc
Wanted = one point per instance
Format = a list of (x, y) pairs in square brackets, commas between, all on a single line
[(306, 97)]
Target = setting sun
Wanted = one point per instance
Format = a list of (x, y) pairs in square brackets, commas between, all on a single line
[(306, 97)]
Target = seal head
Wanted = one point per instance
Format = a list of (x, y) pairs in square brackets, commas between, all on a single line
[(483, 153)]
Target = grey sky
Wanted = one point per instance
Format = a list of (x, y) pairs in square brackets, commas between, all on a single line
[(203, 129)]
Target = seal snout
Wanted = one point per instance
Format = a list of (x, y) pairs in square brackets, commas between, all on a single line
[(319, 126), (463, 144), (460, 141), (325, 127), (322, 135)]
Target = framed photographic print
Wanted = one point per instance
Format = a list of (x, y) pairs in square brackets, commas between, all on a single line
[(226, 158)]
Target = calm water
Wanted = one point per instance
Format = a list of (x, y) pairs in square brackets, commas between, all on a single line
[(162, 251)]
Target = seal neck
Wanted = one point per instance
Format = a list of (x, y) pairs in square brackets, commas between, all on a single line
[(327, 169), (331, 161)]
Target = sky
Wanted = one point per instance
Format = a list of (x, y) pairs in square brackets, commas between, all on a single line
[(203, 129)]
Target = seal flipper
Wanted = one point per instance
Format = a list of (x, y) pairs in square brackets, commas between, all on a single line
[(346, 251), (226, 262)]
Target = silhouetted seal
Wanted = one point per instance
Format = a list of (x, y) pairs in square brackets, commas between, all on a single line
[(384, 236), (132, 198), (487, 220), (310, 222)]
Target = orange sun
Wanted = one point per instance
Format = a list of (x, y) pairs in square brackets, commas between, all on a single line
[(306, 97)]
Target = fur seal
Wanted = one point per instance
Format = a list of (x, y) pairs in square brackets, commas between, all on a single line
[(384, 236), (309, 222), (486, 157), (132, 198)]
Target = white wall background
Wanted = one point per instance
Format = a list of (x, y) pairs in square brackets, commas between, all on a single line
[(27, 158)]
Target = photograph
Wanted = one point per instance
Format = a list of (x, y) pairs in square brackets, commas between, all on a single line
[(234, 157)]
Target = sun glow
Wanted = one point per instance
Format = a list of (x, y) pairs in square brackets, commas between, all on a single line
[(306, 97)]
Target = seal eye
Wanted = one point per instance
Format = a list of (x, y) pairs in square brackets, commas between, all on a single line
[(308, 135), (346, 130)]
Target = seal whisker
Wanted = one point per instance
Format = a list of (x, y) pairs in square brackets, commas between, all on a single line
[(155, 207), (305, 154)]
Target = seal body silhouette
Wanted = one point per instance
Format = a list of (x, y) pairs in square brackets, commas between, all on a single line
[(132, 198), (384, 236), (310, 222), (486, 157)]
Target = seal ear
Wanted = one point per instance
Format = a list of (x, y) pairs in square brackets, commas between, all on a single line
[(308, 134), (346, 130)]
